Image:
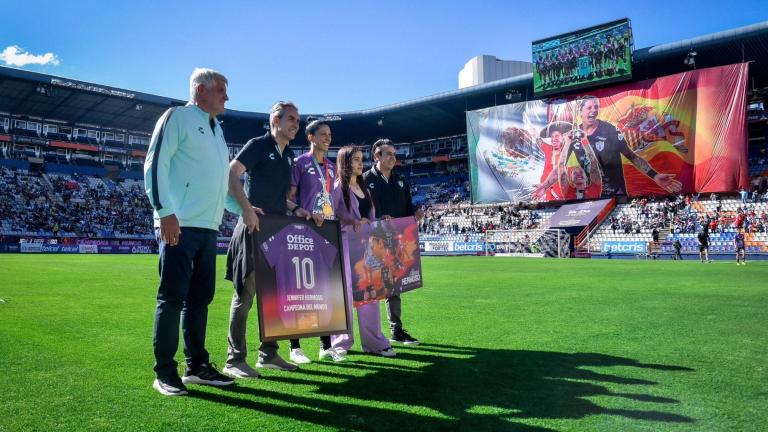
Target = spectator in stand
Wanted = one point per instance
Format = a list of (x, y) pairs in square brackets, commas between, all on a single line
[(743, 195), (740, 219)]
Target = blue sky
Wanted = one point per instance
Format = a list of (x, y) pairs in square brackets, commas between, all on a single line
[(326, 56)]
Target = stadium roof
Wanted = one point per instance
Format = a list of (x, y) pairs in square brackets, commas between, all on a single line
[(76, 102)]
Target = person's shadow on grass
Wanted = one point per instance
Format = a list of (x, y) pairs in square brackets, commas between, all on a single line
[(458, 388)]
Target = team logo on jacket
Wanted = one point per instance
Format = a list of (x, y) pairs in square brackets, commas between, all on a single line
[(600, 145), (371, 185), (272, 156), (400, 183), (201, 130)]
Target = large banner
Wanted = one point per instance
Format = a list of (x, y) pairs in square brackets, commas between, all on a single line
[(300, 281), (680, 133), (384, 259)]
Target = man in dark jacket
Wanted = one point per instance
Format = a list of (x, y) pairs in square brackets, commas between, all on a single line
[(391, 195)]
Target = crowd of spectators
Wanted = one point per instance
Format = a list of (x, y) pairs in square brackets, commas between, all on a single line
[(76, 205), (680, 215), (452, 189), (747, 216), (648, 214), (23, 196), (464, 218)]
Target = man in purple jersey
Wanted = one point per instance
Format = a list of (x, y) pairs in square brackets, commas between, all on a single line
[(312, 179), (302, 260)]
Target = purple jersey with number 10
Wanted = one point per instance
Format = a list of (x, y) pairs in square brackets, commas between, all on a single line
[(302, 260)]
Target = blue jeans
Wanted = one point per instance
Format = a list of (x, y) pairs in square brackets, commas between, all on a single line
[(187, 285)]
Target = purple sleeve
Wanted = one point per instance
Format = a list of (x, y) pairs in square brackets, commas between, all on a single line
[(271, 251), (337, 196)]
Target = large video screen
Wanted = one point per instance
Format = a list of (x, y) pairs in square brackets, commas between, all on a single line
[(583, 58), (680, 133)]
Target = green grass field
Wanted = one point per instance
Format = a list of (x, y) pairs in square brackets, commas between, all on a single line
[(509, 344)]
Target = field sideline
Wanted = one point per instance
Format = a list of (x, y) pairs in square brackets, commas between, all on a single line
[(509, 344)]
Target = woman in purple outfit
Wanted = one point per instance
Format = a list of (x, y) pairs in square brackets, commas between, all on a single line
[(351, 201)]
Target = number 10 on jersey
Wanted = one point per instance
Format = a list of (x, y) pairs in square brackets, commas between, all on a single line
[(305, 272)]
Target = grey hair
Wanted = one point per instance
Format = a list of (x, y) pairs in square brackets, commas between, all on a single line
[(206, 77), (278, 109)]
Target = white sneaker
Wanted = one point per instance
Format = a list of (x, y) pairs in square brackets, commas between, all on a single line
[(332, 354), (341, 351), (298, 356), (240, 370), (389, 352)]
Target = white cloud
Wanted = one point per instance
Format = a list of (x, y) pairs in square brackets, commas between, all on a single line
[(17, 56)]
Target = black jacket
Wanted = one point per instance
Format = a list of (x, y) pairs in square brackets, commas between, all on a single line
[(391, 197)]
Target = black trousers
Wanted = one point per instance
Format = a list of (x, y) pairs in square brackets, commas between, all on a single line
[(187, 284)]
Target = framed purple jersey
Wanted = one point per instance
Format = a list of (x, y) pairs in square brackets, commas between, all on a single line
[(300, 287)]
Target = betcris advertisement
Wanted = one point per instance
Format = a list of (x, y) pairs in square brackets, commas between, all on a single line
[(450, 247), (468, 247), (624, 247)]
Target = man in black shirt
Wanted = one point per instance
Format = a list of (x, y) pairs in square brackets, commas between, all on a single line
[(609, 144), (266, 162), (703, 238), (678, 246), (391, 196)]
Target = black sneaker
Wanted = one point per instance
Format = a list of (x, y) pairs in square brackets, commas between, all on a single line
[(206, 374), (404, 338), (170, 386)]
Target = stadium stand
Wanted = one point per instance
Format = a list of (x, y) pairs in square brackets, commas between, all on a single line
[(469, 219), (75, 205), (681, 218), (71, 157)]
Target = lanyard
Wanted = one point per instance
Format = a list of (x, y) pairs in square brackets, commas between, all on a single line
[(325, 180)]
